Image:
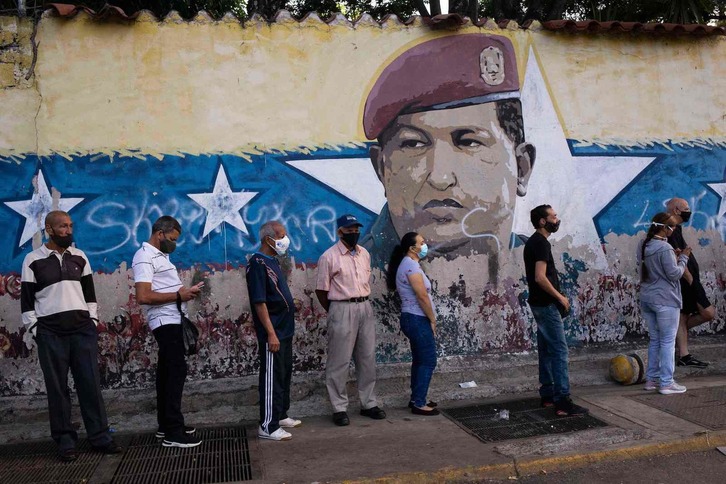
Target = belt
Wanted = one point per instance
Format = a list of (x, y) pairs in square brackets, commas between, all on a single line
[(354, 299)]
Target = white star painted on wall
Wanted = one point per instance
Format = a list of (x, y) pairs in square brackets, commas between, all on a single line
[(39, 205), (577, 187), (353, 178), (223, 205)]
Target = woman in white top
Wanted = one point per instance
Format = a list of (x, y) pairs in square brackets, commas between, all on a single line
[(418, 317)]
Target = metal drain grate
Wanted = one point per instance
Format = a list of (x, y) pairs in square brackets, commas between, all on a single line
[(526, 419), (223, 456), (37, 462), (703, 406)]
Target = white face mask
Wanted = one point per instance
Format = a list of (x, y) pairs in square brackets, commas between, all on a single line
[(281, 245)]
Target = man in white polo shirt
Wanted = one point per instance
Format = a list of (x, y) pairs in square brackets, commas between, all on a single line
[(157, 288)]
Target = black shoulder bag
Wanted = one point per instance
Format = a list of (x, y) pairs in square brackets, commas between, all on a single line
[(190, 333)]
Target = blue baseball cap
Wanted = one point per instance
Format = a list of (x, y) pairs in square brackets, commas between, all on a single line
[(348, 220)]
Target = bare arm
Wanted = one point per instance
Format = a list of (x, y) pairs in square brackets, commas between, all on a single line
[(688, 276), (264, 316), (323, 299), (540, 277), (422, 296), (144, 294)]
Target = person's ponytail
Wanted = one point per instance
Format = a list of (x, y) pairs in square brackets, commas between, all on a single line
[(397, 255)]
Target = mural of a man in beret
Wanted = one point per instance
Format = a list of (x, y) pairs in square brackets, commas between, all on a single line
[(450, 149)]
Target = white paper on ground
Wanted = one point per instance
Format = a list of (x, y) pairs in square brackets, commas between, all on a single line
[(468, 384)]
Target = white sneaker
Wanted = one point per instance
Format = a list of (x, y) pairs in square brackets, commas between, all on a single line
[(650, 386), (290, 423), (672, 388), (279, 434)]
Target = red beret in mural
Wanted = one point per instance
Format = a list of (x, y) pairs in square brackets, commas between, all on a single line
[(448, 72)]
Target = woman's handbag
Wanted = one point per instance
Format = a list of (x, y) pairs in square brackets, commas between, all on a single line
[(190, 333)]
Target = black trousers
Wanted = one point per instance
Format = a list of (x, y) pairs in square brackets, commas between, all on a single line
[(275, 379), (78, 352), (171, 371)]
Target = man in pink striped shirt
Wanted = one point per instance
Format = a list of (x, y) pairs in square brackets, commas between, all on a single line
[(343, 288)]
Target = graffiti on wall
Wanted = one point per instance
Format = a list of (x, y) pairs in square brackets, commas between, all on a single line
[(459, 153)]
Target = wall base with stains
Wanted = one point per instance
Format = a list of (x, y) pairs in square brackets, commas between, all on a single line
[(234, 400)]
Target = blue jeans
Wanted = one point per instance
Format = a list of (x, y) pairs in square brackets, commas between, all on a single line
[(423, 349), (554, 377), (662, 326)]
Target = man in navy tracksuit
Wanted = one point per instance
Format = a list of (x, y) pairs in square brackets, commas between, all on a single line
[(273, 312)]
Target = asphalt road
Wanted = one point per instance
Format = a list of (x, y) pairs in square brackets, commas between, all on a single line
[(698, 467)]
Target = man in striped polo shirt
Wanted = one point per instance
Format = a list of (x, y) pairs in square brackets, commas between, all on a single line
[(58, 302), (157, 289)]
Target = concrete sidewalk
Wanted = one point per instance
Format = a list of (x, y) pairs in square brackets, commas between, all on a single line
[(409, 448)]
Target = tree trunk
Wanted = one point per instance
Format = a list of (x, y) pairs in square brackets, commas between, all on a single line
[(421, 7)]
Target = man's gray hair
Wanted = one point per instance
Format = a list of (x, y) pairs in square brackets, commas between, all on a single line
[(268, 229)]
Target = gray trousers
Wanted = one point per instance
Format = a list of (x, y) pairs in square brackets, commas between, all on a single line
[(351, 332)]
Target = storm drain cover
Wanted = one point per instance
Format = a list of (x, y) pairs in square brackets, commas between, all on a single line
[(517, 420), (37, 462), (702, 406), (223, 456)]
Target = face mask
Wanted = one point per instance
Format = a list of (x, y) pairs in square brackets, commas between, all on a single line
[(351, 240), (281, 245), (167, 246), (686, 216), (424, 250), (63, 242), (552, 228)]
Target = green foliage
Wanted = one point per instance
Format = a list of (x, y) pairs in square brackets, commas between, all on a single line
[(675, 11)]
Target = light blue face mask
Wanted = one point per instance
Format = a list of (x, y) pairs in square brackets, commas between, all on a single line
[(424, 250)]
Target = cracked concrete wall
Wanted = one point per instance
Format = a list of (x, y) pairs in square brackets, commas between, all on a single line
[(225, 126), (18, 95)]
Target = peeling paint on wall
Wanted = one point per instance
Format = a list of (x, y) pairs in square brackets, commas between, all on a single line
[(263, 139)]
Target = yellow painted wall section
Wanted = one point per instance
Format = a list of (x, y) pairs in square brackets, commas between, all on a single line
[(173, 86)]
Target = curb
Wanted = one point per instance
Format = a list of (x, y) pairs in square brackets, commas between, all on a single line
[(702, 441)]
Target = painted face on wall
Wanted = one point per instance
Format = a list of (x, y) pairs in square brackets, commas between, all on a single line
[(453, 176)]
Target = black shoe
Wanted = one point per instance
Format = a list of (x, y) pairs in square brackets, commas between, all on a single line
[(430, 404), (187, 430), (110, 448), (67, 455), (341, 419), (566, 408), (374, 413), (546, 402), (690, 360), (421, 411), (184, 441)]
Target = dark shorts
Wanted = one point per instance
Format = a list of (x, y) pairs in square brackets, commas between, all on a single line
[(693, 294)]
